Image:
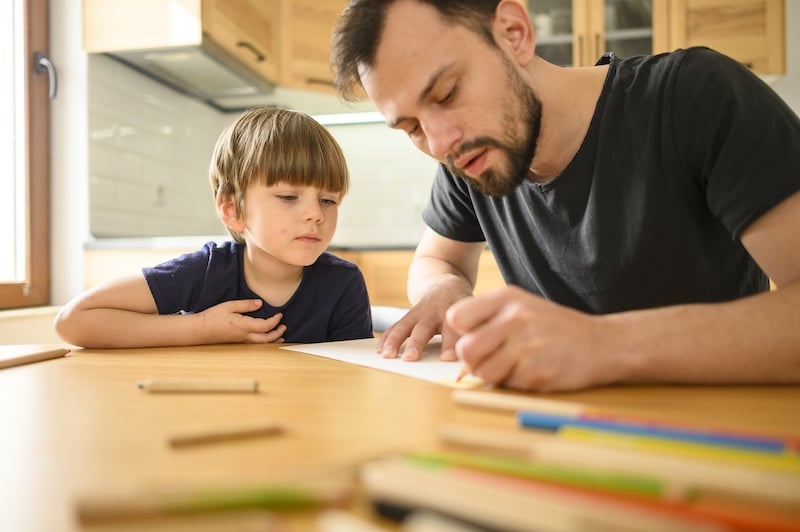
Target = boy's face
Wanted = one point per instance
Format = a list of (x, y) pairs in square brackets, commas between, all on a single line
[(292, 223)]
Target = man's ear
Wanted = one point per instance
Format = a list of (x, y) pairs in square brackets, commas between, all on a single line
[(513, 30), (226, 210)]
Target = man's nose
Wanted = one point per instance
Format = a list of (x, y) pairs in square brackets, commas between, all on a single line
[(442, 136)]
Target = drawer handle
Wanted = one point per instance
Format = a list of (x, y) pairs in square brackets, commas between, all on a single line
[(259, 56)]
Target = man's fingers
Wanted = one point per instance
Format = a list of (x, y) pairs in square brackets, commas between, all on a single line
[(466, 314)]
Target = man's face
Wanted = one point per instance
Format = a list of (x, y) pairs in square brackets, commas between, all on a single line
[(460, 100)]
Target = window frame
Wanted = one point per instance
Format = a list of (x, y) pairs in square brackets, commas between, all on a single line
[(35, 289)]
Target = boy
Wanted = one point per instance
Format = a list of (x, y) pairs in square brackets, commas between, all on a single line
[(278, 178)]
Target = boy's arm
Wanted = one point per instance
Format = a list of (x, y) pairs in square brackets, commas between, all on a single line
[(122, 313)]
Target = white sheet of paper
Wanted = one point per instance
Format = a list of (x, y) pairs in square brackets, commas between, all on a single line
[(362, 353)]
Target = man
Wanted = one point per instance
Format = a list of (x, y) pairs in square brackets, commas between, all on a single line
[(639, 206)]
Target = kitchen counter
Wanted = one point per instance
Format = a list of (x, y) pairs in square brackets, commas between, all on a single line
[(191, 242)]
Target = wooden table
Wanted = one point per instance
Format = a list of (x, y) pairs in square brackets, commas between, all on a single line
[(80, 424)]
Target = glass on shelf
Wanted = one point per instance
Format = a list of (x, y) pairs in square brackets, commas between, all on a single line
[(628, 26)]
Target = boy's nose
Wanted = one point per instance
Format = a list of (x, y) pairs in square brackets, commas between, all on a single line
[(313, 212)]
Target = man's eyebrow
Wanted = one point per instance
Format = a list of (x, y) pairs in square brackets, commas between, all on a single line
[(423, 94)]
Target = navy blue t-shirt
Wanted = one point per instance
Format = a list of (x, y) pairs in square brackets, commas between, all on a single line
[(330, 304)]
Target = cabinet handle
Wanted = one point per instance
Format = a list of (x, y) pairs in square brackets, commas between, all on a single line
[(580, 50), (598, 51), (259, 56)]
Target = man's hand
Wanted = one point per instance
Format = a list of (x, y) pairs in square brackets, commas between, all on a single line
[(519, 340), (416, 329), (226, 323)]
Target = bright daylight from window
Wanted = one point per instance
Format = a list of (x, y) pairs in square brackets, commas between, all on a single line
[(12, 147)]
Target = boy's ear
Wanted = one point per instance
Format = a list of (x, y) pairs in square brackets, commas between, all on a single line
[(226, 210)]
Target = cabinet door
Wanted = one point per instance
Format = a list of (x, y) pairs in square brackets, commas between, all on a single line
[(559, 26), (578, 32), (306, 42), (627, 27), (750, 31), (247, 29)]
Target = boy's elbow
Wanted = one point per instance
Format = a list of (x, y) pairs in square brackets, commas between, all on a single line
[(67, 329)]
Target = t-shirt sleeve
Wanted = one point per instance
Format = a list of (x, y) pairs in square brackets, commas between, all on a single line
[(177, 284), (736, 136), (352, 316), (450, 211)]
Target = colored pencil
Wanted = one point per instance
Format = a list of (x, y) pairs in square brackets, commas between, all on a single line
[(276, 497), (227, 431), (514, 402), (788, 462), (17, 355), (551, 421), (199, 385), (633, 484), (495, 501), (686, 476)]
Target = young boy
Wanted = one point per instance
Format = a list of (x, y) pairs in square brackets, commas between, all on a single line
[(278, 178)]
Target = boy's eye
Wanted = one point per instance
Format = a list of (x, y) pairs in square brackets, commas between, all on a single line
[(286, 197), (328, 201)]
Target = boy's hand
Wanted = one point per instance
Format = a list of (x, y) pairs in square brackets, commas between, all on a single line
[(226, 323)]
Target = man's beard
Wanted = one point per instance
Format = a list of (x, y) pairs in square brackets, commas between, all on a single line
[(518, 150)]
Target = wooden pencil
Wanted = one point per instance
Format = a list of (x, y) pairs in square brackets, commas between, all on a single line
[(514, 402), (199, 385), (222, 432), (687, 476)]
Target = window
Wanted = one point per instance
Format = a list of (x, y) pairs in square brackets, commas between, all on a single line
[(24, 207)]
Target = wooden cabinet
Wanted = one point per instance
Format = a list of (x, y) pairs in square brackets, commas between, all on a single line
[(578, 32), (305, 42), (386, 274), (247, 29), (244, 29), (751, 31)]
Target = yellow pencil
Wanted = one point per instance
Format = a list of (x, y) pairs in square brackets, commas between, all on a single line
[(685, 475), (786, 462)]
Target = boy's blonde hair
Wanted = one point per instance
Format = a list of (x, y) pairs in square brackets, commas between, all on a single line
[(269, 145)]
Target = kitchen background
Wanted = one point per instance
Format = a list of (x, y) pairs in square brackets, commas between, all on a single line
[(132, 163)]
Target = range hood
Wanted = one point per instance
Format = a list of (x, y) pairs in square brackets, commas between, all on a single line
[(204, 72)]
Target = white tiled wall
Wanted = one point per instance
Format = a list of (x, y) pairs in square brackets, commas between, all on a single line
[(390, 184), (149, 149)]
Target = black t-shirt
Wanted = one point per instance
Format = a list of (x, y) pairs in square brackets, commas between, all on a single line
[(684, 151), (330, 304)]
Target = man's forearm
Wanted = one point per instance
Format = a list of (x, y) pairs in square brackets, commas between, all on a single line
[(427, 276), (755, 339)]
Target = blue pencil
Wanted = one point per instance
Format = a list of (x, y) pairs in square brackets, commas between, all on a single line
[(553, 422)]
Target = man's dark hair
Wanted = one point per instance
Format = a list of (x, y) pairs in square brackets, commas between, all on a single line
[(358, 32)]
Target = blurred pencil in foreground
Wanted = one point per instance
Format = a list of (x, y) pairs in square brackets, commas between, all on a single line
[(279, 497)]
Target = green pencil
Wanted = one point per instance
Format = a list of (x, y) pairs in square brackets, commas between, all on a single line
[(626, 483), (278, 497)]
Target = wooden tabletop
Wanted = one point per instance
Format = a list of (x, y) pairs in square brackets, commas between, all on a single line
[(80, 424)]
